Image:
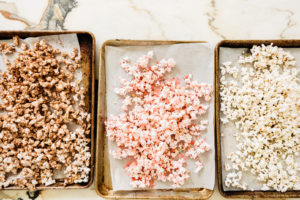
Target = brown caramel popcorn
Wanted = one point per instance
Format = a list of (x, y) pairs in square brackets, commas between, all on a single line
[(16, 40), (44, 123), (6, 48)]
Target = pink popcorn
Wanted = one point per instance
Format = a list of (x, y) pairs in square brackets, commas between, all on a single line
[(159, 126), (199, 166)]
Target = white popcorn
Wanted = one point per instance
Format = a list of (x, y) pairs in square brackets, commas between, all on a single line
[(227, 167), (199, 166), (261, 96)]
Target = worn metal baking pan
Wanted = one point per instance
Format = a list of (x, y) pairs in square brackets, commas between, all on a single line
[(243, 44), (103, 184), (87, 50)]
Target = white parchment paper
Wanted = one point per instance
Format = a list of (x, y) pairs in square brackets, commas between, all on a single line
[(64, 42), (194, 58), (228, 142)]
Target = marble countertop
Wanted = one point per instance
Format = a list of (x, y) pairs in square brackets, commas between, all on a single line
[(209, 20)]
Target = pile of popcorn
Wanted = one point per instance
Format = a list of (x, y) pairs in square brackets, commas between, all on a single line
[(159, 127), (261, 96), (44, 123)]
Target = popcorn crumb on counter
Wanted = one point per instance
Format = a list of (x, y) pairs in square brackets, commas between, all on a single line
[(263, 106), (37, 118), (158, 128)]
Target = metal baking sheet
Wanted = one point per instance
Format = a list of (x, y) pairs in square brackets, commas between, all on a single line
[(87, 50), (103, 182), (243, 194)]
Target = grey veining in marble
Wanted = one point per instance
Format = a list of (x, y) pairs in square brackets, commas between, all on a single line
[(212, 17), (53, 17), (55, 14)]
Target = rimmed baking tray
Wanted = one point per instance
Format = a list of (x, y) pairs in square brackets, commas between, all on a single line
[(87, 50), (103, 184), (243, 44)]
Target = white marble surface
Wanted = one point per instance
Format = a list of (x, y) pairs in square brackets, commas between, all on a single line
[(210, 20)]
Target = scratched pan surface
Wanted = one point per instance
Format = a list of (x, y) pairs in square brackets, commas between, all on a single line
[(103, 184), (87, 50), (243, 44)]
